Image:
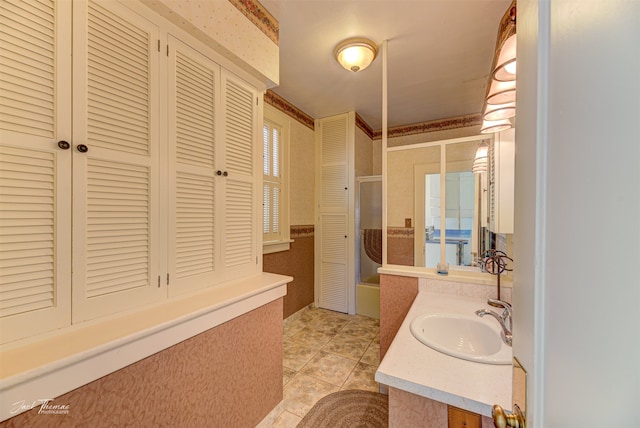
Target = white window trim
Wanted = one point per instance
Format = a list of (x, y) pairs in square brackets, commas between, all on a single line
[(275, 116)]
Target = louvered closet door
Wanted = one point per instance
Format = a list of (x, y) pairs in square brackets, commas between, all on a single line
[(115, 182), (35, 175), (240, 206), (333, 216), (194, 98)]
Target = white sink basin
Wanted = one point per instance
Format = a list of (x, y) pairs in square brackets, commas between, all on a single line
[(462, 336)]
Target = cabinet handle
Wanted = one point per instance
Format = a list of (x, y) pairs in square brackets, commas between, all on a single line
[(218, 172), (82, 148), (225, 173), (502, 420), (64, 145)]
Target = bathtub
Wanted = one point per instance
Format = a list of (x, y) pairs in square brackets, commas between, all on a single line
[(368, 300)]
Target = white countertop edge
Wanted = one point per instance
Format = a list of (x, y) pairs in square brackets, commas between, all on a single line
[(454, 275), (413, 367), (433, 394), (57, 377)]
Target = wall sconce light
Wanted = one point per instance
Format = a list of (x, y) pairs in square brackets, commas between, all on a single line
[(481, 160), (500, 101), (501, 92), (491, 126), (499, 111), (356, 54), (505, 70)]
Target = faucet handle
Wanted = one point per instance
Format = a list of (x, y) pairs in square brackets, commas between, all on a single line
[(499, 303)]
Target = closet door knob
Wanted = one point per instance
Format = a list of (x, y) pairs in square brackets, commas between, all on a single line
[(82, 148), (225, 173), (64, 145), (218, 172)]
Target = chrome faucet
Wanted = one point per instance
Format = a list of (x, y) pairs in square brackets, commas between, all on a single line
[(505, 319)]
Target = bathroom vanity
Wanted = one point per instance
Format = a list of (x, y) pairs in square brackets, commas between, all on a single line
[(427, 387)]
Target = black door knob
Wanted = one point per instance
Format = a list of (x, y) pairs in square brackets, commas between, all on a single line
[(64, 145), (82, 148)]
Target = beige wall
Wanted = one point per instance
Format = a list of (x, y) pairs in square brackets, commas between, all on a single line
[(400, 178), (298, 260), (220, 25), (301, 174), (363, 154)]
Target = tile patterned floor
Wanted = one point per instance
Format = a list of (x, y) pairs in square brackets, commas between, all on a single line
[(324, 352)]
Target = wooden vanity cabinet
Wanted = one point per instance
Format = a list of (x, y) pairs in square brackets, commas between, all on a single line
[(459, 418)]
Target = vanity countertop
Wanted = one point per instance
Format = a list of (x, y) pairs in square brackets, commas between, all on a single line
[(414, 367)]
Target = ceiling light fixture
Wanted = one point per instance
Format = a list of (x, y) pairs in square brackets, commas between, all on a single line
[(356, 54)]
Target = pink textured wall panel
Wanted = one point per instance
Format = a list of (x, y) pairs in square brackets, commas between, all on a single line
[(228, 376), (400, 250), (410, 410), (298, 263), (397, 293)]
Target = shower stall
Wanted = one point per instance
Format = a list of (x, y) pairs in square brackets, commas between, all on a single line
[(369, 245)]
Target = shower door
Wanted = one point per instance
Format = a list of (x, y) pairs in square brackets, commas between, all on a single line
[(369, 224)]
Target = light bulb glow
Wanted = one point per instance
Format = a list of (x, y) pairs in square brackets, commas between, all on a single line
[(356, 54)]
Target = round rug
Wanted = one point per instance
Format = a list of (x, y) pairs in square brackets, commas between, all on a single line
[(348, 409)]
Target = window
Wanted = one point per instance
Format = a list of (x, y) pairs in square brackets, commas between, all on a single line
[(275, 134)]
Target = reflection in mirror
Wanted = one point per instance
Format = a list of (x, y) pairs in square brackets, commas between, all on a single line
[(443, 219), (459, 233), (402, 166), (463, 223)]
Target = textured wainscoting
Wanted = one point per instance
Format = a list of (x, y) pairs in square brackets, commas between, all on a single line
[(397, 294), (228, 376), (298, 263), (400, 246)]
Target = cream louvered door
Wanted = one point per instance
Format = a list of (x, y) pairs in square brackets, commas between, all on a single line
[(115, 161), (334, 232), (240, 176), (194, 98), (35, 209)]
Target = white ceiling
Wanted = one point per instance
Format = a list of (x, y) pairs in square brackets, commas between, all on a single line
[(440, 53)]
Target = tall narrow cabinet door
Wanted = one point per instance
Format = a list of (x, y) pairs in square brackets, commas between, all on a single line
[(240, 178), (115, 160), (332, 234), (194, 97), (35, 173)]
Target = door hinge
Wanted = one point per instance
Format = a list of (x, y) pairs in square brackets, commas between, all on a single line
[(167, 279), (256, 259), (158, 45), (257, 100), (158, 281), (167, 49)]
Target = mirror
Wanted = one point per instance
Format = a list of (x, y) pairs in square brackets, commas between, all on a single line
[(451, 213)]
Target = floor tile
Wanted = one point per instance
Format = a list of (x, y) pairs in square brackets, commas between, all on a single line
[(296, 355), (362, 377), (303, 391), (310, 338), (287, 375), (365, 321), (293, 327), (362, 331), (372, 355), (328, 324), (286, 420), (331, 368), (348, 346)]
